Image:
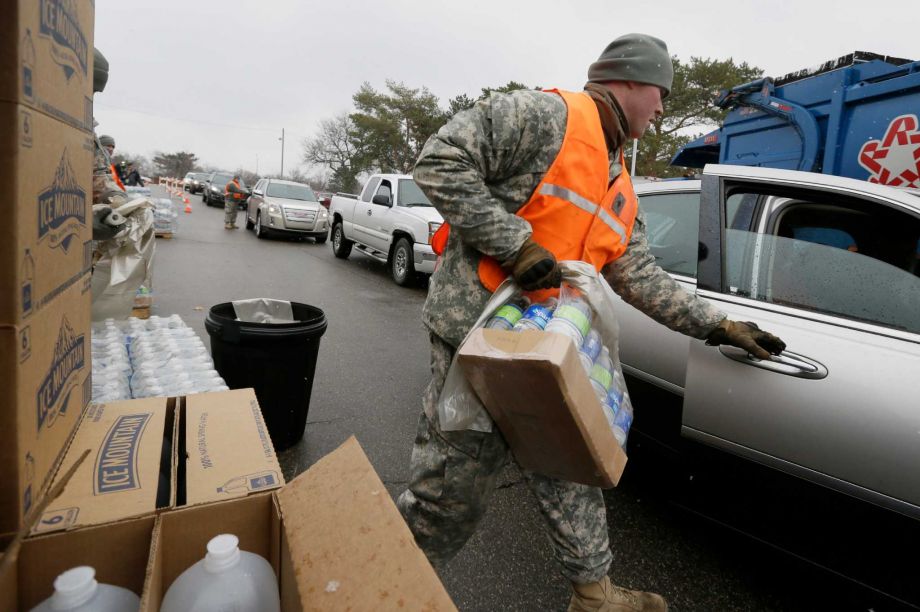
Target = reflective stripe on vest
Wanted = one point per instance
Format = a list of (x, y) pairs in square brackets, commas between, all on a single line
[(236, 194), (576, 212), (115, 177)]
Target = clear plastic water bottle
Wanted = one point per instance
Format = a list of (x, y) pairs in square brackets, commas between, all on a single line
[(226, 579), (76, 590), (602, 375), (509, 314), (537, 315), (572, 318), (590, 350), (623, 421)]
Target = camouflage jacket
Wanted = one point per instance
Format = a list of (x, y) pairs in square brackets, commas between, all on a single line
[(478, 170)]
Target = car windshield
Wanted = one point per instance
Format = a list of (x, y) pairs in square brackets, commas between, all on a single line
[(221, 179), (291, 192), (200, 176), (411, 195)]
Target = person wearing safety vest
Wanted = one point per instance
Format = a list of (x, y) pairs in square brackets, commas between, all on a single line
[(234, 194), (524, 180), (108, 143)]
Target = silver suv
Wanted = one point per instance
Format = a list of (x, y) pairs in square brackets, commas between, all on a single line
[(286, 207), (832, 426)]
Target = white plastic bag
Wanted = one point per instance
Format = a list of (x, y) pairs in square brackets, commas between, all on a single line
[(263, 310), (459, 408)]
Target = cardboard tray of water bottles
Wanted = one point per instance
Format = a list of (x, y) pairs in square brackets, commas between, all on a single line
[(548, 373)]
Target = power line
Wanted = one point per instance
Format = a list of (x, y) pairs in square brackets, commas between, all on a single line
[(199, 121)]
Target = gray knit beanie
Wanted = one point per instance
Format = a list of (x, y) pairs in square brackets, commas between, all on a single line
[(634, 57), (106, 141)]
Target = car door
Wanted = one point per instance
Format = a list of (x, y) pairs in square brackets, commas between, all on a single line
[(649, 351), (379, 216), (361, 218), (255, 200), (829, 265)]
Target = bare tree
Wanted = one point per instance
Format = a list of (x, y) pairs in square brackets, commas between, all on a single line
[(333, 147)]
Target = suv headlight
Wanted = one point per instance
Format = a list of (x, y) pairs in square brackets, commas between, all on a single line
[(215, 189), (432, 228), (273, 209), (323, 213)]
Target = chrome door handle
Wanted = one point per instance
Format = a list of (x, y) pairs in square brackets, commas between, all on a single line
[(368, 213), (787, 362)]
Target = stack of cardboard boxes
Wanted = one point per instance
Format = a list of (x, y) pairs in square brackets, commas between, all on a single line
[(145, 483), (46, 160)]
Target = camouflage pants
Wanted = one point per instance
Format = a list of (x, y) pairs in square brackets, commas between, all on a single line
[(231, 211), (452, 478)]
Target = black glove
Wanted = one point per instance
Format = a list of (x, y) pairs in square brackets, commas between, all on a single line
[(747, 336), (536, 268)]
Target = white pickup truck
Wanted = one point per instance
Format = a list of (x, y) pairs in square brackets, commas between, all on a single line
[(391, 221)]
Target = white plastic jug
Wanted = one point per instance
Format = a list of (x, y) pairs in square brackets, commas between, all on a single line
[(77, 590), (226, 579)]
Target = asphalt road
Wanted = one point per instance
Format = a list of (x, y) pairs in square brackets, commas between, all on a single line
[(373, 366)]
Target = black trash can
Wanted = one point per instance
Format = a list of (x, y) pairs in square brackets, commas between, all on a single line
[(278, 360)]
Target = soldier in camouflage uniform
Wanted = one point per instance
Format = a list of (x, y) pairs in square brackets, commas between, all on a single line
[(478, 170), (106, 192)]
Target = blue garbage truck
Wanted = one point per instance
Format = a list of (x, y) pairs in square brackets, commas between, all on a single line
[(857, 116)]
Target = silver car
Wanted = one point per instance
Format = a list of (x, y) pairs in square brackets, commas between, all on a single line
[(832, 266), (286, 207)]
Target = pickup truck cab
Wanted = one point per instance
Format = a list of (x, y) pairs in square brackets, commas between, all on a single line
[(391, 221), (811, 443)]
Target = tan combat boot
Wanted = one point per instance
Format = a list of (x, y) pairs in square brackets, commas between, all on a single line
[(606, 597)]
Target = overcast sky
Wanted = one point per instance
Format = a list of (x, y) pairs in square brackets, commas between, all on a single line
[(221, 79)]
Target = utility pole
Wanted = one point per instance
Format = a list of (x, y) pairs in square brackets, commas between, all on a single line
[(257, 164), (282, 152), (632, 172)]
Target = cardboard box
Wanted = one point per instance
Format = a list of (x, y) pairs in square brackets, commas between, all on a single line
[(46, 173), (155, 453), (45, 368), (333, 536), (119, 552), (536, 390), (121, 477), (46, 58)]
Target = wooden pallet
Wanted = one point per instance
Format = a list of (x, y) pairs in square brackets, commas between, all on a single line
[(164, 235), (141, 313)]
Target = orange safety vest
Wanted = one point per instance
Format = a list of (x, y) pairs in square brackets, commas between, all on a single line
[(574, 212), (237, 195), (116, 177)]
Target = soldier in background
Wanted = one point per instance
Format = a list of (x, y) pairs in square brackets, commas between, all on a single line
[(234, 194), (108, 143), (484, 171)]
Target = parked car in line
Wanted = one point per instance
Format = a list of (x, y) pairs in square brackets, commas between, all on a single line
[(212, 192), (814, 451), (391, 221), (196, 181), (286, 207)]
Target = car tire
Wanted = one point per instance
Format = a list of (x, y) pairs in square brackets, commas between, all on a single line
[(204, 198), (341, 246), (249, 224), (260, 231), (402, 267), (322, 239)]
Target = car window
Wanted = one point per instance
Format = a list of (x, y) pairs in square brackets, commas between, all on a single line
[(291, 192), (385, 189), (857, 260), (370, 189), (410, 194), (672, 221)]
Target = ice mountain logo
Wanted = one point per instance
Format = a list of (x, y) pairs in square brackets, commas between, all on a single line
[(69, 49), (54, 391), (61, 207)]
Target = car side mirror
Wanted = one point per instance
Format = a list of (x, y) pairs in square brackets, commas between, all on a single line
[(256, 192), (383, 200)]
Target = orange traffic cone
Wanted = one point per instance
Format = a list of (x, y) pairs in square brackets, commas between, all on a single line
[(188, 206)]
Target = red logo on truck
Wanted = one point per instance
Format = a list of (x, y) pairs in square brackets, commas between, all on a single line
[(895, 159)]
